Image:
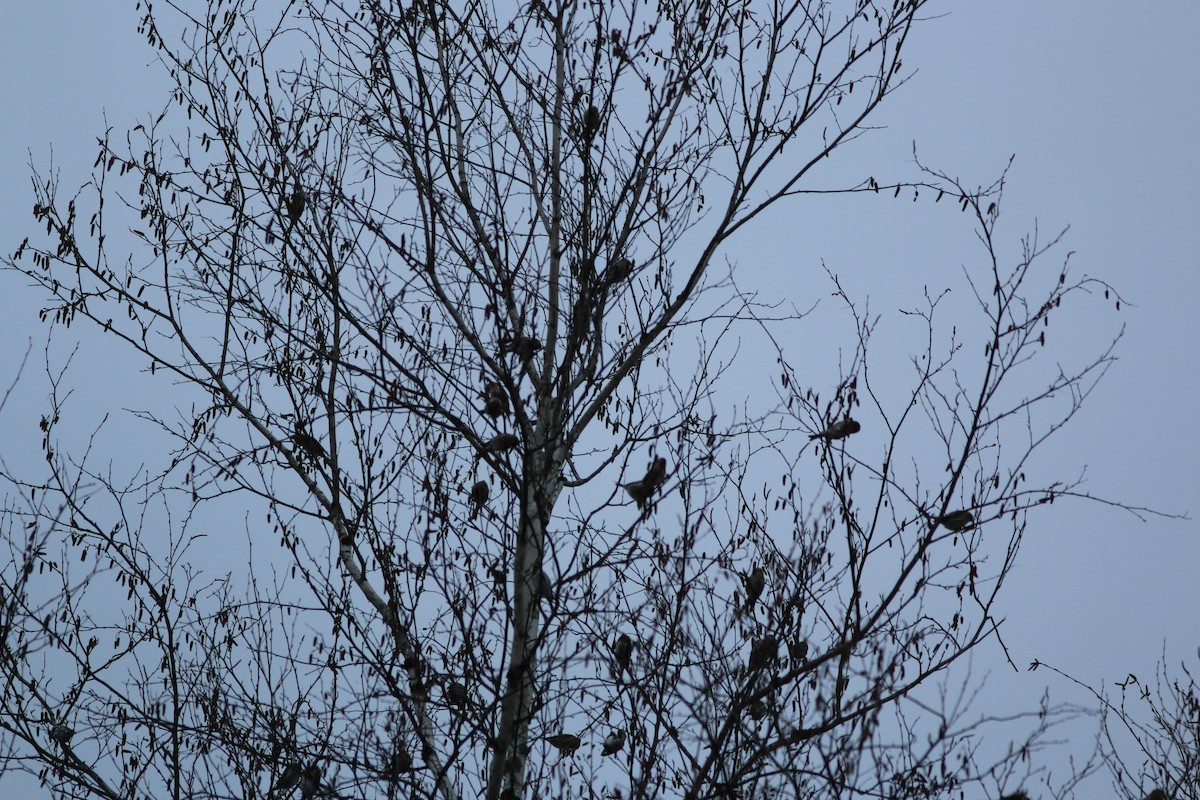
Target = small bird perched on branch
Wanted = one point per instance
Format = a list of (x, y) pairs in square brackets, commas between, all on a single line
[(613, 742), (479, 496), (61, 733), (309, 444), (763, 651), (641, 491), (545, 589), (495, 400), (288, 779), (618, 270), (456, 695), (838, 430), (623, 653), (568, 743), (501, 442), (756, 581), (956, 520), (591, 122), (296, 203), (523, 346), (310, 784)]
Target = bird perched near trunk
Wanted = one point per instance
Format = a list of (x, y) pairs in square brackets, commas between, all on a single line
[(545, 589), (523, 346), (567, 743), (288, 778), (838, 430), (956, 520), (641, 491), (501, 442), (622, 653), (495, 400), (399, 763), (763, 652), (310, 784), (296, 203), (479, 496), (613, 742), (61, 733), (756, 581)]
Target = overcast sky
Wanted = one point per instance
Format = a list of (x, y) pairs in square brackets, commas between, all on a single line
[(1100, 102)]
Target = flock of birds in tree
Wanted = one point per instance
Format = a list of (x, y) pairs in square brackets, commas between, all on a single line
[(763, 651)]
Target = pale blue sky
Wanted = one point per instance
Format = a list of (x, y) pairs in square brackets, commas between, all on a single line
[(1100, 102)]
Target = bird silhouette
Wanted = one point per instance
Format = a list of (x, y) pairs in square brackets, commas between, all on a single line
[(568, 743), (61, 733), (479, 496), (591, 122), (288, 778), (399, 763), (501, 442), (757, 710), (756, 581), (456, 695), (523, 346), (613, 742), (495, 400), (296, 203), (309, 444), (956, 520), (838, 430), (310, 783), (623, 653), (545, 589), (642, 490), (763, 651), (618, 270)]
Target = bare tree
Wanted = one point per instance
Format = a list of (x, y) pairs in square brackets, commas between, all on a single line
[(1150, 735), (437, 287)]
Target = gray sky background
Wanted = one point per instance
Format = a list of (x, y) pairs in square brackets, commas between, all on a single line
[(1100, 102)]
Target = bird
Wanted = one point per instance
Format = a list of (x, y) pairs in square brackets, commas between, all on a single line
[(309, 444), (456, 694), (400, 762), (61, 733), (763, 651), (623, 652), (1015, 796), (755, 583), (310, 784), (523, 346), (757, 710), (289, 778), (568, 743), (479, 496), (495, 400), (955, 520), (642, 490), (296, 203), (591, 122), (1157, 794), (838, 430), (545, 589), (618, 270), (613, 742), (501, 442)]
